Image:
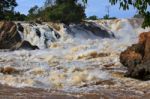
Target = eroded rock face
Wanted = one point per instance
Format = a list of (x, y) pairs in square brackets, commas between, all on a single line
[(9, 36), (137, 58), (26, 45)]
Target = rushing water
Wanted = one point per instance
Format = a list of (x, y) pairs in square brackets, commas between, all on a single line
[(72, 58)]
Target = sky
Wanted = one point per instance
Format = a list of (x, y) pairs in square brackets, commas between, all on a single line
[(94, 7)]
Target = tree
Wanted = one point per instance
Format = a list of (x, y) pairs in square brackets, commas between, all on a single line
[(137, 16), (33, 13), (19, 17), (33, 10), (6, 7), (106, 16), (49, 3), (140, 5), (94, 17), (66, 11)]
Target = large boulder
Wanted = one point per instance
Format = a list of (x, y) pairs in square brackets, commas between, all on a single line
[(9, 35), (27, 45), (137, 58)]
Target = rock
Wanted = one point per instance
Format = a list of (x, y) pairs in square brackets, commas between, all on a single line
[(38, 33), (26, 45), (8, 70), (20, 27), (97, 30), (131, 56), (147, 49), (32, 24), (137, 58), (9, 35), (143, 37), (38, 20)]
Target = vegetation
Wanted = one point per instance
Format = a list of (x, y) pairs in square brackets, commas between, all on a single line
[(140, 5), (69, 11), (66, 11), (6, 7), (94, 17), (7, 11), (138, 16), (33, 13), (106, 16), (14, 16)]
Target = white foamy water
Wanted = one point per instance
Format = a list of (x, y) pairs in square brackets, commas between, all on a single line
[(77, 58)]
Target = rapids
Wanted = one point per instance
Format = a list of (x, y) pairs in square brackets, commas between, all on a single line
[(75, 58)]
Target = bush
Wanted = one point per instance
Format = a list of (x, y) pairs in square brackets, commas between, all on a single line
[(138, 16), (7, 9), (94, 17), (33, 13), (106, 16), (14, 16), (65, 11)]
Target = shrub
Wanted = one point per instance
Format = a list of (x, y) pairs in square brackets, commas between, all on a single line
[(65, 11), (94, 17)]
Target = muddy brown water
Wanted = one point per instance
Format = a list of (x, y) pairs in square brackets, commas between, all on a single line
[(7, 92)]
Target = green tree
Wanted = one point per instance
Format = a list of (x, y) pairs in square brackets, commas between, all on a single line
[(19, 17), (7, 8), (140, 5), (94, 17), (33, 13), (137, 16), (66, 11), (106, 16)]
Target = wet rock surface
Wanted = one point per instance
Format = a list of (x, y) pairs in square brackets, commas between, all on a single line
[(137, 58), (9, 35), (26, 45), (93, 28)]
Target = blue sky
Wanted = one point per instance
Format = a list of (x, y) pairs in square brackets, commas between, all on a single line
[(94, 7)]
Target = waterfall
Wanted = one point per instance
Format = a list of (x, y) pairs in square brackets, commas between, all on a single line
[(43, 35), (39, 35)]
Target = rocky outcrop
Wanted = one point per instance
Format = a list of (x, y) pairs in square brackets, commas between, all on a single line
[(26, 45), (20, 27), (97, 30), (137, 58), (9, 35)]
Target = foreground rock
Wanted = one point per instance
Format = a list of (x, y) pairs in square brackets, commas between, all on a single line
[(137, 58)]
